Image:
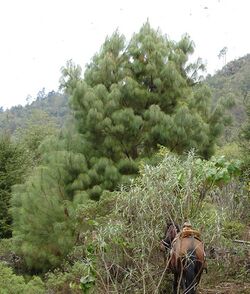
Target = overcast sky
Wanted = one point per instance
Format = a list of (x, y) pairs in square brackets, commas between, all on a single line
[(39, 36)]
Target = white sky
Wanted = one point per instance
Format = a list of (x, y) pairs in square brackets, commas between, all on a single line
[(39, 36)]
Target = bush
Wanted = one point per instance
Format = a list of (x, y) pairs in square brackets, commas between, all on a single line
[(126, 249), (5, 247), (13, 284), (233, 230), (230, 151), (77, 278)]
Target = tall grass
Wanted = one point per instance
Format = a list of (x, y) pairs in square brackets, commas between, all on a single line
[(127, 256)]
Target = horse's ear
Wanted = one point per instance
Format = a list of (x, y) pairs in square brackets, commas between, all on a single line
[(168, 224), (177, 227)]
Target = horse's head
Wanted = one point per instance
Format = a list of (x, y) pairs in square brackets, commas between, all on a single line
[(170, 233)]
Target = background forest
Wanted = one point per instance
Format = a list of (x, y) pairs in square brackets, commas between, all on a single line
[(89, 178)]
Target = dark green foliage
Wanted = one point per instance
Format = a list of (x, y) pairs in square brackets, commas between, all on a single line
[(43, 208), (133, 98), (18, 156), (14, 163), (13, 284)]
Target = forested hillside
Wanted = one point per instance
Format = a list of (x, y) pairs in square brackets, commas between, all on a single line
[(233, 83), (52, 104), (83, 208)]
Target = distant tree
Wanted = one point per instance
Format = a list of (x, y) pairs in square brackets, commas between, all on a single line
[(35, 129), (14, 164), (29, 99), (223, 54), (41, 94)]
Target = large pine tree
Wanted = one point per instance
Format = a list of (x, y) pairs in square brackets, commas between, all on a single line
[(136, 96), (133, 97)]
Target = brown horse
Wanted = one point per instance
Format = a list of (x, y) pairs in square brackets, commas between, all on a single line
[(186, 258)]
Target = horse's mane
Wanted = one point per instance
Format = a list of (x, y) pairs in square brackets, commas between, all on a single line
[(172, 224), (169, 224)]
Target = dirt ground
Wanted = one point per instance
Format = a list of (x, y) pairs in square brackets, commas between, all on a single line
[(227, 288)]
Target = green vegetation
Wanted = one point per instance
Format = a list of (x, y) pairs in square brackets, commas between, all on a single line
[(13, 284), (232, 84), (245, 136), (131, 99), (14, 165), (136, 96), (53, 105), (35, 129), (84, 206), (127, 247)]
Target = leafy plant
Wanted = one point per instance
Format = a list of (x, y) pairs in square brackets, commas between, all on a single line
[(78, 277)]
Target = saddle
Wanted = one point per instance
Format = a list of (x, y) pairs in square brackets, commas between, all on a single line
[(190, 233)]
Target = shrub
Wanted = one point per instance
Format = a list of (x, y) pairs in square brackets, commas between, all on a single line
[(233, 229), (126, 249), (13, 284), (230, 151), (73, 279)]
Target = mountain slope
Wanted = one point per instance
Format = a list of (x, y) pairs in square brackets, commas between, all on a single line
[(54, 104), (233, 82)]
